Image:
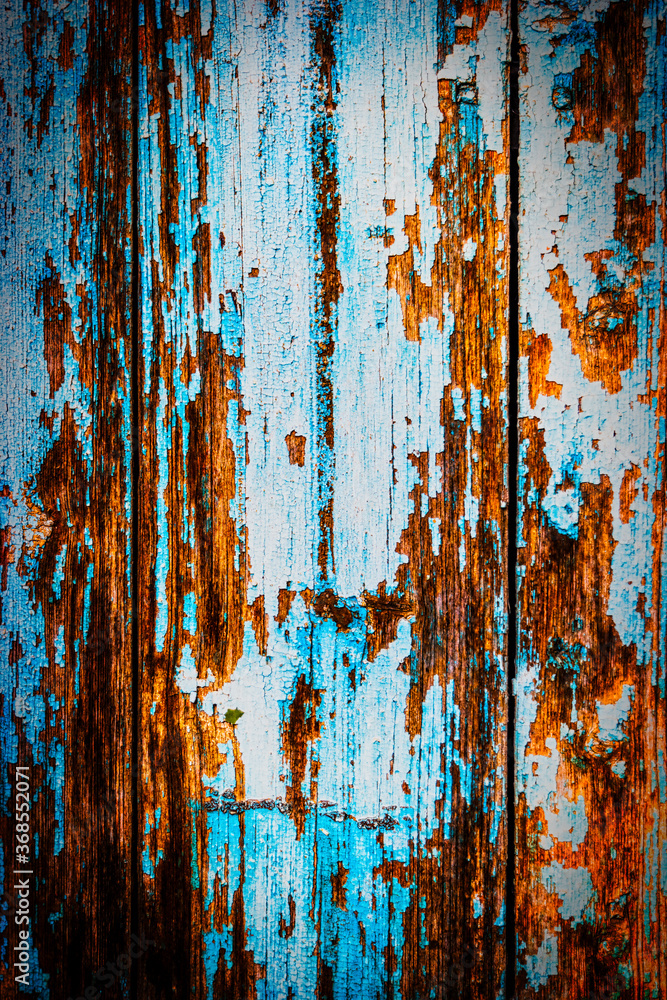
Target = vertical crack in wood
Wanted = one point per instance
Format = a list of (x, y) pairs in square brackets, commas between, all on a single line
[(135, 375), (325, 177), (512, 482)]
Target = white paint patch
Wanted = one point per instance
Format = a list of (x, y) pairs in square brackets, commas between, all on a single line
[(469, 249), (562, 509), (612, 718), (492, 47), (458, 399), (186, 676), (544, 964), (566, 819), (574, 886), (388, 390), (460, 64)]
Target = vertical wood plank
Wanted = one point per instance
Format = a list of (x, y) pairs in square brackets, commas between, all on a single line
[(323, 498), (591, 807), (65, 490)]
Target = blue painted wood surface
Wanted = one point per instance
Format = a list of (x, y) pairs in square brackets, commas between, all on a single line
[(294, 784), (323, 204)]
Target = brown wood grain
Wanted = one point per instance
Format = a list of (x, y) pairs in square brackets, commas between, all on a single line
[(66, 604)]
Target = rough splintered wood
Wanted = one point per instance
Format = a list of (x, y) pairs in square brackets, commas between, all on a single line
[(591, 780), (64, 486), (323, 498)]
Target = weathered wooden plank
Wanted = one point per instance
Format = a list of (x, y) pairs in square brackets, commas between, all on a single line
[(323, 498), (591, 807), (64, 483)]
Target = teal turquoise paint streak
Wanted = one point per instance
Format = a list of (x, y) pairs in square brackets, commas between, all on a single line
[(56, 782), (190, 613), (147, 863), (292, 961), (162, 561)]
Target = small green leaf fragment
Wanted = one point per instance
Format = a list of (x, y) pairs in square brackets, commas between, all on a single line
[(232, 715)]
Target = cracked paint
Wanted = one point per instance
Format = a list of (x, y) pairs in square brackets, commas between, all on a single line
[(590, 672)]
